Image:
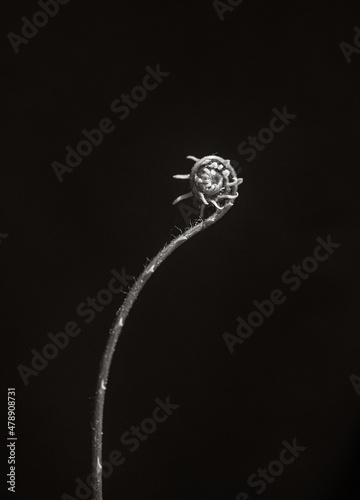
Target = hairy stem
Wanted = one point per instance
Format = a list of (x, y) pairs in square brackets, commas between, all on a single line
[(115, 331)]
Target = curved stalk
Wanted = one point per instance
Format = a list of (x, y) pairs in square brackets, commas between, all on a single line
[(133, 294)]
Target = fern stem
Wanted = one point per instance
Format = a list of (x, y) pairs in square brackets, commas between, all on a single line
[(119, 322)]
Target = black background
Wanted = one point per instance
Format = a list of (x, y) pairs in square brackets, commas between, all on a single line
[(290, 379)]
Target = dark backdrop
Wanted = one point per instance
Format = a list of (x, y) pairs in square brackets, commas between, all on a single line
[(296, 377)]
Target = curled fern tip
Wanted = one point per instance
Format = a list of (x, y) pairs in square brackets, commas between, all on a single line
[(213, 181)]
